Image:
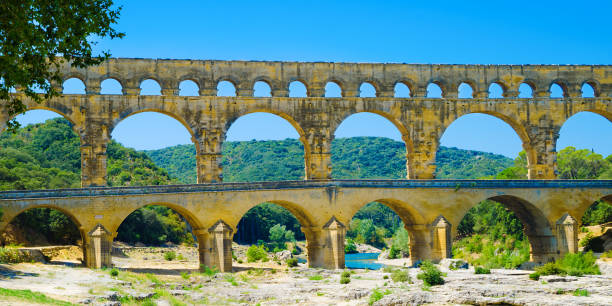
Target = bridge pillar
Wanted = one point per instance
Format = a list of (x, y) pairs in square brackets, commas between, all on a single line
[(208, 155), (215, 246), (441, 239), (541, 150), (421, 162), (94, 139), (318, 155), (567, 234), (326, 245), (98, 247), (420, 247), (543, 248)]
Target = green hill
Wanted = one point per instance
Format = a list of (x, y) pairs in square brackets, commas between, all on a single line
[(352, 158)]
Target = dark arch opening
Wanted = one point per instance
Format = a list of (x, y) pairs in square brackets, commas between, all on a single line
[(465, 91), (44, 153), (272, 226), (158, 226), (150, 148), (262, 146), (594, 234), (478, 146), (46, 226), (73, 86), (368, 146), (189, 88), (111, 87), (150, 87)]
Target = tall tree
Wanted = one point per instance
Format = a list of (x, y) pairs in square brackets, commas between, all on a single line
[(37, 36)]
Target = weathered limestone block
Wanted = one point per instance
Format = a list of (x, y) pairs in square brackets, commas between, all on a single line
[(98, 247), (441, 239), (215, 246), (420, 246), (334, 232), (94, 140), (567, 234)]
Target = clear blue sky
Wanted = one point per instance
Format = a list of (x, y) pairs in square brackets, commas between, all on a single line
[(465, 32)]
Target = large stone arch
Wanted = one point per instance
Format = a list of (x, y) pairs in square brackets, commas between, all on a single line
[(404, 130), (56, 107), (536, 225), (121, 215), (134, 111), (9, 215)]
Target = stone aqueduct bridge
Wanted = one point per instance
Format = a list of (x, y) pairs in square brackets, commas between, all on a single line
[(430, 209), (420, 120)]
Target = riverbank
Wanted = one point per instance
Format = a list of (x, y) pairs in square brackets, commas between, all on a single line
[(144, 274)]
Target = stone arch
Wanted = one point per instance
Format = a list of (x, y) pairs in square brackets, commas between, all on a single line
[(532, 85), (441, 84), (121, 215), (190, 79), (230, 79), (339, 82), (74, 75), (594, 85), (536, 226), (301, 81), (8, 218), (372, 83), (519, 129), (267, 82), (81, 83), (472, 87), (504, 88), (561, 83), (115, 79), (408, 83), (51, 106), (156, 80), (605, 114)]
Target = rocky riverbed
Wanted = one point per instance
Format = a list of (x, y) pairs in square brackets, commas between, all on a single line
[(144, 274)]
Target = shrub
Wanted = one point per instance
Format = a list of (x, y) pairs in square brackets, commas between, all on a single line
[(292, 262), (231, 279), (481, 270), (209, 271), (551, 268), (386, 277), (185, 275), (430, 275), (10, 255), (592, 243), (394, 252), (114, 272), (581, 292), (377, 295), (170, 256), (345, 280), (350, 247), (256, 253), (400, 276), (316, 277), (607, 254), (534, 276), (346, 273), (459, 264), (579, 264)]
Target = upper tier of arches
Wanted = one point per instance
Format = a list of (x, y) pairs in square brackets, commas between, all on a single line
[(380, 79)]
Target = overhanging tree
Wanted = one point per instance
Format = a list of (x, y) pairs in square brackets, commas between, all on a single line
[(37, 36)]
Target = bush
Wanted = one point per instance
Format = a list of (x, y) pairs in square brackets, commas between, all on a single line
[(573, 264), (607, 254), (170, 256), (430, 275), (377, 295), (400, 276), (345, 280), (114, 272), (292, 262), (316, 277), (534, 276), (350, 247), (345, 274), (394, 252), (481, 270), (9, 255), (209, 271), (256, 253), (459, 264), (581, 292)]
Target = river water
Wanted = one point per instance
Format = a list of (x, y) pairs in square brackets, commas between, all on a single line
[(362, 261)]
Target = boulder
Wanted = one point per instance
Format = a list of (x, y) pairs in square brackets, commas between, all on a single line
[(283, 255)]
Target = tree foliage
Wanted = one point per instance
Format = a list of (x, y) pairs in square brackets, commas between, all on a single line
[(37, 36)]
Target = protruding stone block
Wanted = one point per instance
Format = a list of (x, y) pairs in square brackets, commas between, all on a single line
[(216, 246), (334, 232), (567, 234), (441, 239), (98, 247)]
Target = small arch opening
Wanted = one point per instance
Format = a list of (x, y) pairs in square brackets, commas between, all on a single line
[(588, 91), (556, 91), (333, 90), (434, 91), (367, 90), (401, 90), (150, 87), (525, 91), (261, 89), (297, 89), (226, 89), (465, 91), (496, 91), (111, 87), (74, 86), (189, 88)]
